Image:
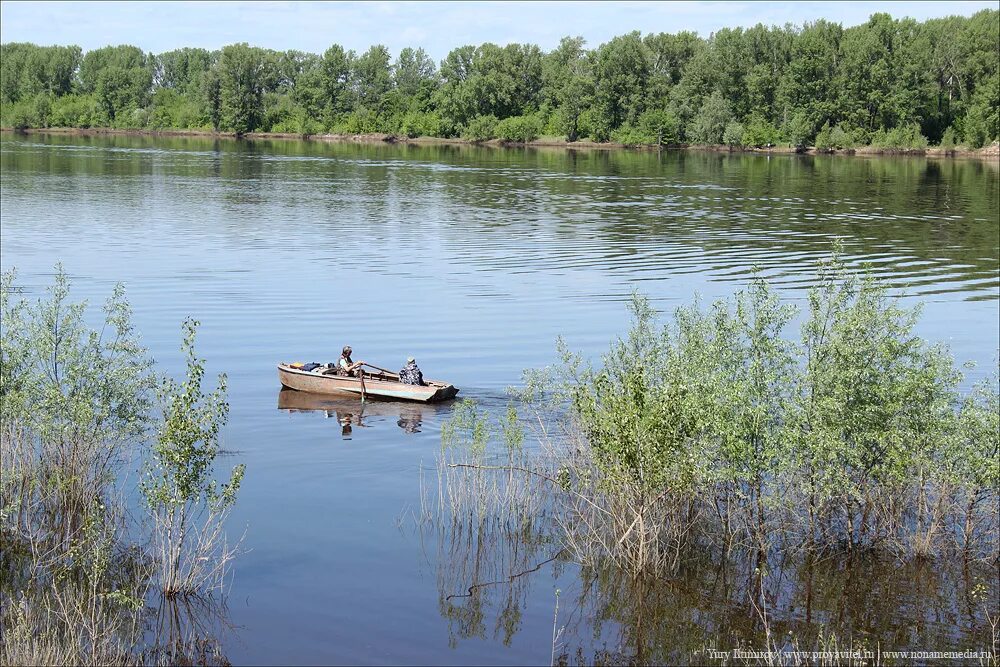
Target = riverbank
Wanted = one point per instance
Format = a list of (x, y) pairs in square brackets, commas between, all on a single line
[(991, 152)]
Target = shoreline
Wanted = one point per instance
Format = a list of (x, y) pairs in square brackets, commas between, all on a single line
[(990, 152)]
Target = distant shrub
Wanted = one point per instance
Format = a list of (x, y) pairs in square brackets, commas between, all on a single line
[(798, 130), (948, 141), (661, 126), (837, 137), (481, 128), (630, 135), (41, 108), (134, 119), (420, 124), (74, 111), (759, 132), (710, 122), (362, 121), (279, 114), (904, 137), (655, 127), (982, 121), (520, 129), (584, 123), (18, 115), (173, 110), (841, 137), (556, 122), (733, 136), (823, 141)]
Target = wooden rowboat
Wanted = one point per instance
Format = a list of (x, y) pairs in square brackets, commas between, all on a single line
[(382, 384)]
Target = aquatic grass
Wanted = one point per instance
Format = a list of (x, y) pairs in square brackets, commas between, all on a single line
[(488, 521)]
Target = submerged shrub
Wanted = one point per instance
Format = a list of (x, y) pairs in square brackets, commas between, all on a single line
[(77, 398), (188, 506), (720, 428), (74, 408)]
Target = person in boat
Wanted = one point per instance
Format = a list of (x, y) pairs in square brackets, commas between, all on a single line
[(345, 365), (410, 374)]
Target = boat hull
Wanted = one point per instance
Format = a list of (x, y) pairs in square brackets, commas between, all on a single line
[(382, 386)]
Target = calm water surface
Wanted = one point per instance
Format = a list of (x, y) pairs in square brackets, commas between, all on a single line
[(474, 260)]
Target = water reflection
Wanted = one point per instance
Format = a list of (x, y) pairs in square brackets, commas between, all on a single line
[(350, 412), (485, 574), (861, 603), (924, 224), (499, 541), (189, 630)]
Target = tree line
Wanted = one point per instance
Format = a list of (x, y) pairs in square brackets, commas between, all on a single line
[(895, 83)]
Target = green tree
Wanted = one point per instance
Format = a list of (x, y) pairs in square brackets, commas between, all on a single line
[(188, 506), (668, 57), (808, 81), (119, 90), (123, 57), (371, 78), (415, 75), (336, 80), (183, 69), (240, 88), (568, 85), (710, 123), (621, 74)]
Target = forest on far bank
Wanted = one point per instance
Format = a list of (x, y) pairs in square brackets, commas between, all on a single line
[(888, 83)]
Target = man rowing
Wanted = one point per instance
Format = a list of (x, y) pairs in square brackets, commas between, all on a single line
[(345, 366)]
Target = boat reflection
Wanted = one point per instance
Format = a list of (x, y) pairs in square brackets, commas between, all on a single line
[(350, 411)]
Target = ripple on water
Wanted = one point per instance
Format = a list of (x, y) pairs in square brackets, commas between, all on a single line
[(472, 260)]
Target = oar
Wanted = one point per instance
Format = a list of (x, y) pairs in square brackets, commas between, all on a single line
[(379, 368)]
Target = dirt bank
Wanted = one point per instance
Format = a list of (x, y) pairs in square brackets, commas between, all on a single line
[(991, 152)]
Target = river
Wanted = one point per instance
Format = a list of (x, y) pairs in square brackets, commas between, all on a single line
[(473, 260)]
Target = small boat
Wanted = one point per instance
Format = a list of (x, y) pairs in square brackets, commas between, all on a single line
[(384, 384)]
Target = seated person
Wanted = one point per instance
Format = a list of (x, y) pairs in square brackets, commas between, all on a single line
[(345, 366), (410, 374)]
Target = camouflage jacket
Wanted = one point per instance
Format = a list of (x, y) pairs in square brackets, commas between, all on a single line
[(410, 374)]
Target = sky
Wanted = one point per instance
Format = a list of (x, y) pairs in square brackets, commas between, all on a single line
[(438, 27)]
